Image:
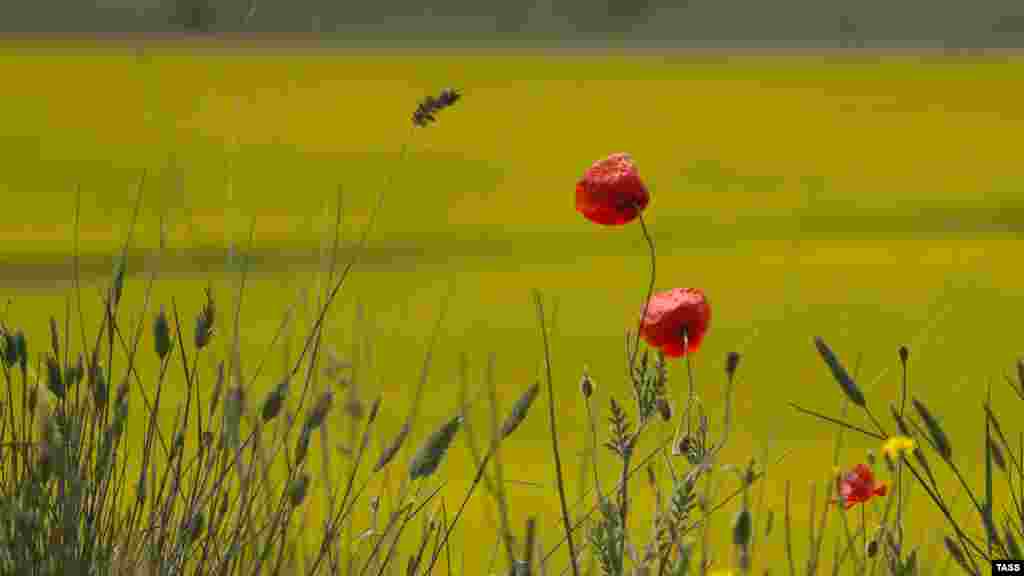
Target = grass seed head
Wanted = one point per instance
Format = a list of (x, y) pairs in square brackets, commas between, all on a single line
[(21, 344), (10, 355), (162, 334), (519, 410), (664, 408), (117, 284), (392, 449), (54, 380), (956, 553), (374, 409), (274, 400), (427, 109), (98, 385), (320, 409), (997, 453), (204, 322), (297, 490), (54, 337), (429, 456), (234, 405), (938, 435), (75, 373), (839, 372), (302, 446)]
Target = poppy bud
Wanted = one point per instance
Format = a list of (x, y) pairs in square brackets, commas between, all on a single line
[(732, 361), (741, 528), (872, 548), (904, 354), (586, 385)]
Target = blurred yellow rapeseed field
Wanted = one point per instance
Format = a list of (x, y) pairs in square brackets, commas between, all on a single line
[(875, 201)]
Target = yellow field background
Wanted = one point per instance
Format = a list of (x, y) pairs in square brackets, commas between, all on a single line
[(872, 200)]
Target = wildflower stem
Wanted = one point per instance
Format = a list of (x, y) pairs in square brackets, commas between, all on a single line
[(554, 436), (593, 435), (650, 291), (875, 435), (864, 532)]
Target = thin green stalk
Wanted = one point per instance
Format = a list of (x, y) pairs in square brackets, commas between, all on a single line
[(650, 292), (566, 524)]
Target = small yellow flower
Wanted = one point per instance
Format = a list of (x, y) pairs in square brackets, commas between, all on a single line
[(897, 444), (720, 573)]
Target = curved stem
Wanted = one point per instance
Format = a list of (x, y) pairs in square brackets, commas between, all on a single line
[(650, 292)]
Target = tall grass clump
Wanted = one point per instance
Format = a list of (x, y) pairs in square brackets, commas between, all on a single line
[(224, 488)]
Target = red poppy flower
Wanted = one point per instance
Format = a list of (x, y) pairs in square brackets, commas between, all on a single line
[(858, 485), (611, 192), (672, 314)]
